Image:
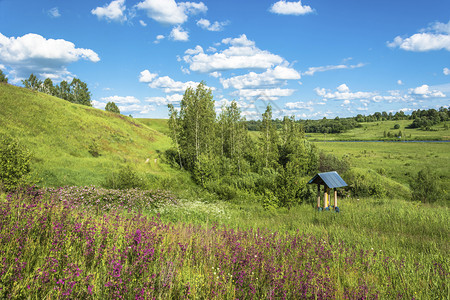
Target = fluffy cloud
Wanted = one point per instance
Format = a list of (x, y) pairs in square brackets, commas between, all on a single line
[(143, 24), (300, 105), (241, 54), (343, 93), (290, 8), (169, 12), (111, 12), (435, 37), (33, 53), (136, 108), (263, 94), (311, 71), (121, 99), (271, 77), (446, 71), (179, 34), (167, 84), (175, 98), (206, 24), (425, 92), (54, 12), (146, 76)]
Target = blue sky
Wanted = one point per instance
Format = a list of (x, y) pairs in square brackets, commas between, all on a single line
[(311, 58)]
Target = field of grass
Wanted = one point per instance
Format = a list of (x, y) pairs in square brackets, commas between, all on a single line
[(375, 131), (67, 244), (399, 161), (62, 135)]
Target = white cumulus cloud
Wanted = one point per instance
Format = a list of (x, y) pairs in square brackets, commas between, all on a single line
[(121, 99), (272, 77), (290, 8), (424, 91), (207, 25), (169, 12), (343, 93), (167, 84), (446, 71), (33, 53), (263, 94), (435, 37), (146, 76), (179, 34), (114, 11), (241, 54)]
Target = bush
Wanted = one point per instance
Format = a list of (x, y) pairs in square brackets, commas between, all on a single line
[(329, 162), (368, 183), (125, 178), (426, 186), (397, 126), (15, 164)]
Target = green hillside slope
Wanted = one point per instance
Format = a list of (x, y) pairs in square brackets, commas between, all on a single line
[(65, 137)]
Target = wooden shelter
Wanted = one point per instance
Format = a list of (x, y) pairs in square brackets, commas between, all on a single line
[(330, 180)]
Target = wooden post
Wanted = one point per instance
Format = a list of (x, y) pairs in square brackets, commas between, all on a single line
[(326, 197), (318, 196), (335, 198)]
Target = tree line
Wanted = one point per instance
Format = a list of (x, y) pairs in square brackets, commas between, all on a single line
[(421, 119), (221, 155), (75, 92)]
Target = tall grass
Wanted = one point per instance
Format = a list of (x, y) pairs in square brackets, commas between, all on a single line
[(55, 247)]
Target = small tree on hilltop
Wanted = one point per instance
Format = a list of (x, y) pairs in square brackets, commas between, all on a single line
[(112, 107), (3, 77)]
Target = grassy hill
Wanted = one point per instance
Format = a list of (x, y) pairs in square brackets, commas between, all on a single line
[(65, 137)]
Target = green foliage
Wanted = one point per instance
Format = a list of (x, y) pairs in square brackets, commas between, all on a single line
[(3, 77), (426, 187), (125, 178), (112, 107), (397, 126), (75, 92), (329, 162), (368, 183), (15, 164), (32, 83)]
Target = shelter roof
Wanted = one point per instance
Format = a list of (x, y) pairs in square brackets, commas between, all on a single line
[(330, 179)]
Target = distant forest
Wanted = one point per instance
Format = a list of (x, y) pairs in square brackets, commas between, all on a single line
[(420, 119)]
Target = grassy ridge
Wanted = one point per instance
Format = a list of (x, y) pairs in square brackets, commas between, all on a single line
[(62, 137)]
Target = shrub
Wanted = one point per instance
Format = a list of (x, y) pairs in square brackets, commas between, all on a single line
[(329, 162), (125, 178), (368, 183), (15, 164), (426, 187), (397, 126)]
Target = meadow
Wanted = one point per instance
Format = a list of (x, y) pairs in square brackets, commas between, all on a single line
[(396, 160), (373, 131), (61, 244), (70, 238)]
